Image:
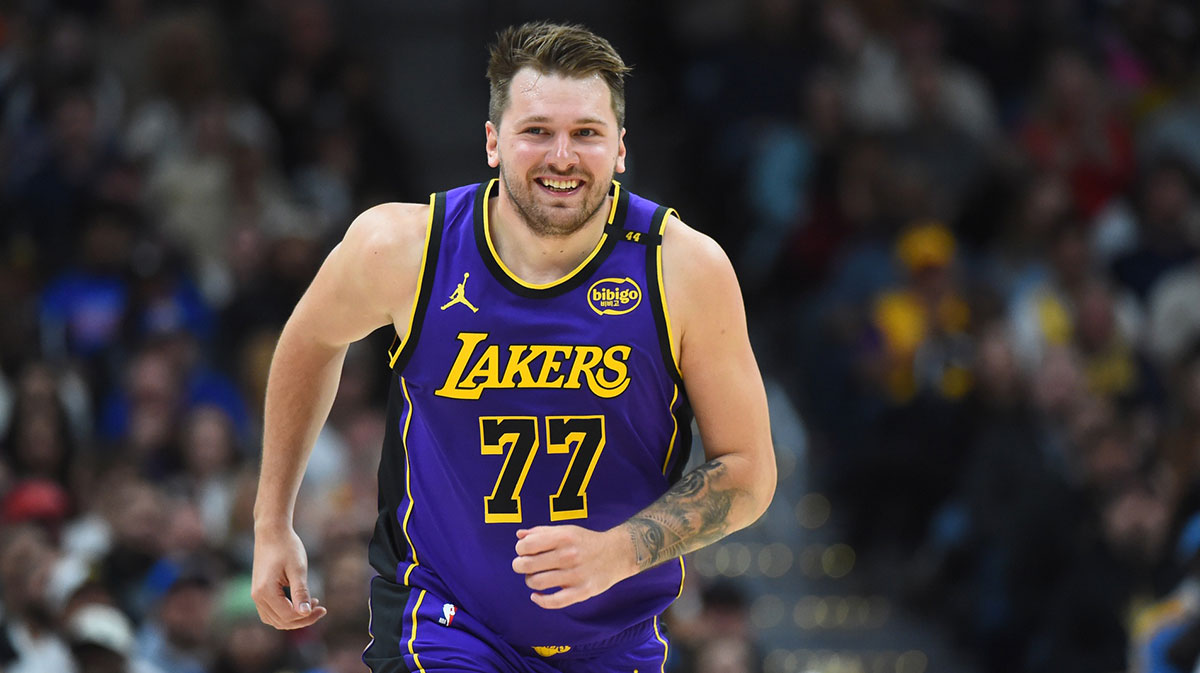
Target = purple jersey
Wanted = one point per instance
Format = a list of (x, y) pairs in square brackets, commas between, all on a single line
[(516, 405)]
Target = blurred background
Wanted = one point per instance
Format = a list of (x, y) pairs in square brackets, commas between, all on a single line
[(967, 235)]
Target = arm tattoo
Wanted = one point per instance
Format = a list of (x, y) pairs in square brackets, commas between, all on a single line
[(692, 514)]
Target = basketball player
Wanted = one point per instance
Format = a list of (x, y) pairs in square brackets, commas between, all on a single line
[(555, 335)]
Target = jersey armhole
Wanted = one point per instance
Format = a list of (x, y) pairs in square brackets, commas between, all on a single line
[(402, 348), (679, 451), (658, 294)]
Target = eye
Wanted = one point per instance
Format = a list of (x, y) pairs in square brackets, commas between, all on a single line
[(587, 133), (535, 130)]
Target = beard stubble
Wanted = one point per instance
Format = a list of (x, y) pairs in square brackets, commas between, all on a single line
[(542, 220)]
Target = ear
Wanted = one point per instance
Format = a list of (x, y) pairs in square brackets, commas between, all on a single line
[(492, 147), (620, 168)]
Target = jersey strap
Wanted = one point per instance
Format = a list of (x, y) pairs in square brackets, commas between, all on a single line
[(656, 293), (402, 347)]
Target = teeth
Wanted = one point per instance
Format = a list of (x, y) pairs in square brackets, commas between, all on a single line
[(560, 184)]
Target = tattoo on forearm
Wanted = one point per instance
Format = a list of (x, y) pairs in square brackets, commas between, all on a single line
[(692, 514)]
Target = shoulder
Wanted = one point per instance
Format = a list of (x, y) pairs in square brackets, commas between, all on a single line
[(389, 228), (388, 239), (377, 263), (699, 281), (694, 263)]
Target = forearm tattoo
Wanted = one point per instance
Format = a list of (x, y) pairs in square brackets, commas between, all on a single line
[(692, 514)]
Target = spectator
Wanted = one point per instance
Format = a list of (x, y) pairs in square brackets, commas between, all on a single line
[(1046, 314), (83, 310), (719, 638), (102, 641), (209, 457), (923, 325), (787, 170), (1075, 132), (177, 636), (1167, 226), (29, 642)]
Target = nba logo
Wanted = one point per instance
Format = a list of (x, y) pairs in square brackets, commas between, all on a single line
[(448, 611)]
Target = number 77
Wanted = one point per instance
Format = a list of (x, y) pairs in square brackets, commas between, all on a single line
[(517, 439)]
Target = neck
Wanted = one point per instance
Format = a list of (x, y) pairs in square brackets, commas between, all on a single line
[(536, 258)]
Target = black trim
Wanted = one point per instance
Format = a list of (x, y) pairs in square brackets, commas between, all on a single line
[(651, 239), (656, 299), (682, 414), (389, 605), (389, 548), (683, 437), (581, 276), (432, 249)]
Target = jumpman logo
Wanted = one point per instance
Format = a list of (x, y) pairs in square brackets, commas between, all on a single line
[(459, 296)]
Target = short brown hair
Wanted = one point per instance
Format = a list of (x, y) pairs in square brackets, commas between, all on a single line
[(569, 50)]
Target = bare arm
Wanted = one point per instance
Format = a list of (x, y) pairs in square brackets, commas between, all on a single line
[(365, 282), (733, 488), (693, 514), (728, 492)]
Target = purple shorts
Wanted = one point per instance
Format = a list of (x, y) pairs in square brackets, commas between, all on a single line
[(413, 630)]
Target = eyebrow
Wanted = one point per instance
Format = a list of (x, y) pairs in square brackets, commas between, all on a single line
[(542, 119)]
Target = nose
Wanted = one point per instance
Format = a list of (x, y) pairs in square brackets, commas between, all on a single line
[(562, 155)]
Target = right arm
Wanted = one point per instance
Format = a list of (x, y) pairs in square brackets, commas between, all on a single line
[(367, 281)]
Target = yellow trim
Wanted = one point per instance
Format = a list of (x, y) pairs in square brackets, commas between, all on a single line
[(612, 212), (370, 623), (412, 312), (674, 427), (662, 291), (682, 576), (413, 636), (487, 235), (666, 648), (408, 481)]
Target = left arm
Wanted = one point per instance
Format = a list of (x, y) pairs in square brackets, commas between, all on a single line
[(726, 493)]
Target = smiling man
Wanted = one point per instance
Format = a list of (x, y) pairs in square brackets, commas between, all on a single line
[(554, 336)]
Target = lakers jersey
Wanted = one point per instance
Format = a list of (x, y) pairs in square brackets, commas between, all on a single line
[(516, 405)]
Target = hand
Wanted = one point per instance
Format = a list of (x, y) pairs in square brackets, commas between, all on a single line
[(581, 562), (280, 561)]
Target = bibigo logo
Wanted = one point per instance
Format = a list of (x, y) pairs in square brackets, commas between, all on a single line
[(614, 296)]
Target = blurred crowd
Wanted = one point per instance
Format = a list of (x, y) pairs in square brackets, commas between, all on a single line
[(171, 176), (967, 234), (972, 231)]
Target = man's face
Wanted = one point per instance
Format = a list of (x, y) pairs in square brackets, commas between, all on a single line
[(557, 148)]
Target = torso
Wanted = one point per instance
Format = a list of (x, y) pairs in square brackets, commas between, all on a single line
[(518, 404)]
